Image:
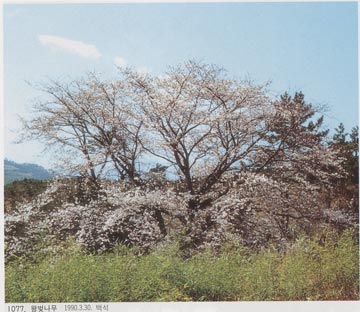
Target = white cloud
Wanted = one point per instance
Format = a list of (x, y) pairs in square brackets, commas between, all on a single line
[(143, 70), (119, 61), (71, 46)]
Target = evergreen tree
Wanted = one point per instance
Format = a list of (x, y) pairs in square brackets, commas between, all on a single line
[(349, 148)]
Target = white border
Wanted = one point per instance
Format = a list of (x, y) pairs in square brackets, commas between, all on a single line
[(160, 1), (2, 264), (270, 306)]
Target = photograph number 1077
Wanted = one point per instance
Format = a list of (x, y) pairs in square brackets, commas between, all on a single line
[(175, 152)]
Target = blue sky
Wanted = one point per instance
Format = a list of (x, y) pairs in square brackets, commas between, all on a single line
[(310, 47)]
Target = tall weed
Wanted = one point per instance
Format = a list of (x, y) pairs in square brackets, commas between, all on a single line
[(309, 270)]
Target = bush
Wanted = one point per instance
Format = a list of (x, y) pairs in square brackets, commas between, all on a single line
[(308, 270)]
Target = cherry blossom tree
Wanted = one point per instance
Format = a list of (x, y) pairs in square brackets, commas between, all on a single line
[(88, 121), (248, 165), (206, 124)]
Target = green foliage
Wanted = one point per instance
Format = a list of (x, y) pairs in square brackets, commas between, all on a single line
[(326, 269), (315, 271), (348, 145)]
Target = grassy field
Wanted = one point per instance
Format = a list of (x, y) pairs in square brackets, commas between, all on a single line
[(306, 271)]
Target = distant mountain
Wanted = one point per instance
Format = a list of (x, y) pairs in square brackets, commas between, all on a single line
[(14, 171)]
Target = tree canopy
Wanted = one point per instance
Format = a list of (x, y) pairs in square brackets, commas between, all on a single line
[(246, 164)]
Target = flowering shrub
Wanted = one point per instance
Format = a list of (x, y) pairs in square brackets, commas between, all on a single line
[(251, 208), (119, 214)]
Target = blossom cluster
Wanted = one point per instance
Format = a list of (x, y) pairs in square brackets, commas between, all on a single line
[(252, 208)]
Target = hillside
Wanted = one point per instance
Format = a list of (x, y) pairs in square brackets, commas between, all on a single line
[(21, 191), (14, 172)]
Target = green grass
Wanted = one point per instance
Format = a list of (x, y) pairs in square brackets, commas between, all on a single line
[(306, 271)]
